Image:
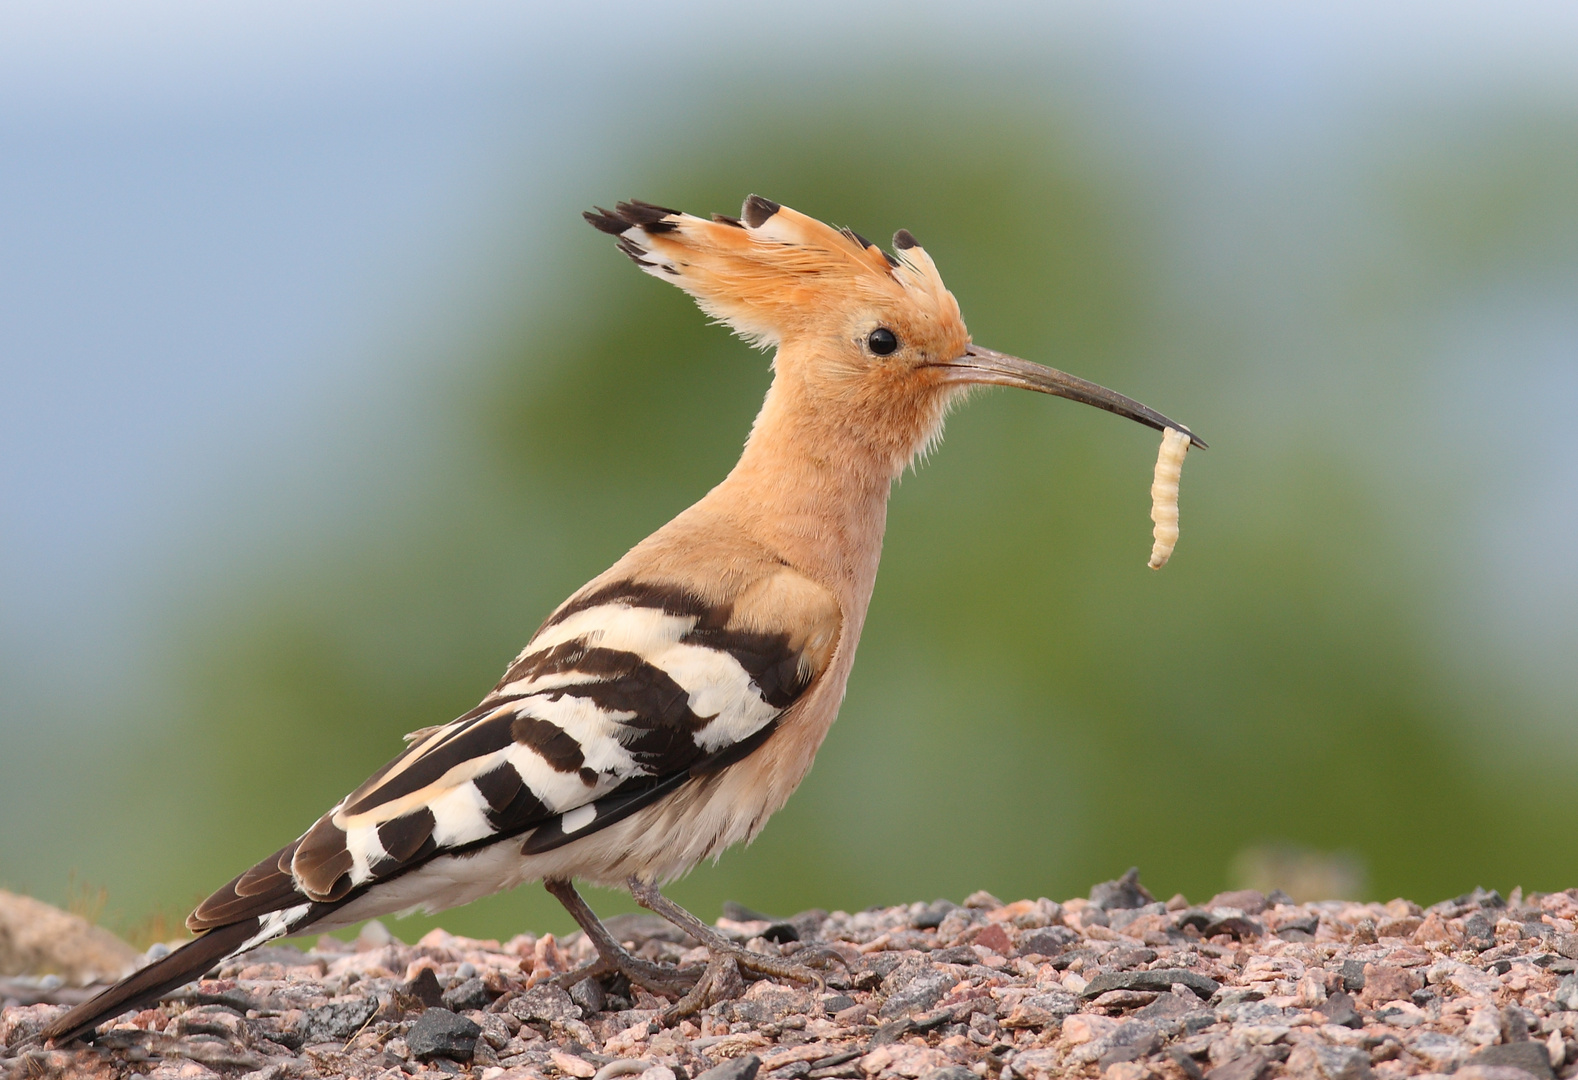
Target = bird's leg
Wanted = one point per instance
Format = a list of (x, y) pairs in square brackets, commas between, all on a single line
[(722, 979), (613, 957)]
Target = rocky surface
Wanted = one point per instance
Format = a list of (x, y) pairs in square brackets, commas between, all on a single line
[(1244, 987), (39, 939)]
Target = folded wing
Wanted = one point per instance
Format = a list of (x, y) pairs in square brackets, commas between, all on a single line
[(628, 691)]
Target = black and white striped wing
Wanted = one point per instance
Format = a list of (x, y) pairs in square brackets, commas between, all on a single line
[(626, 693)]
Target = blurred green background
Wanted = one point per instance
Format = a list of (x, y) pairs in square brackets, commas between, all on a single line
[(1355, 676)]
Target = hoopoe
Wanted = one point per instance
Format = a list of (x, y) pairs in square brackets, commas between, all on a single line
[(672, 704)]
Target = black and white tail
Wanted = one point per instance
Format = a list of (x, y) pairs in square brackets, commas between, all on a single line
[(151, 983)]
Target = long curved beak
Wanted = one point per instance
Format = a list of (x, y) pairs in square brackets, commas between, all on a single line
[(987, 367)]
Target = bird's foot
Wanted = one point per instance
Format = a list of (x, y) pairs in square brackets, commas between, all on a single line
[(612, 957), (723, 977), (664, 979)]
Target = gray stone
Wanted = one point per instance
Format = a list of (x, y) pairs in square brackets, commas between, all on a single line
[(1250, 1066), (1254, 1012), (1126, 892), (424, 988), (1124, 959), (1306, 925), (1121, 917), (1172, 1013), (957, 922), (770, 1005), (1186, 1063), (1042, 1010), (1353, 975), (1567, 994), (740, 1068), (1249, 901), (1048, 941), (915, 988), (1528, 1056), (957, 954), (1237, 995), (1233, 922), (871, 971), (336, 1021), (950, 1072), (1442, 1052), (1160, 979), (932, 915), (545, 1002), (1479, 933), (440, 1033), (463, 997), (1132, 1041), (589, 995), (1339, 1009), (1514, 1028), (1314, 1061)]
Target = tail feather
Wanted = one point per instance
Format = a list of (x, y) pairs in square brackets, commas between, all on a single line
[(149, 984)]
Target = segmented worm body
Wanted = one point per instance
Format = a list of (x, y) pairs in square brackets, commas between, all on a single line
[(1164, 496)]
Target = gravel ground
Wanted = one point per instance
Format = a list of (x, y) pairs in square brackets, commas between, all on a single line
[(1245, 987)]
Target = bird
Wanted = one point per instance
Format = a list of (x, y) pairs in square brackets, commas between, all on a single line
[(670, 706)]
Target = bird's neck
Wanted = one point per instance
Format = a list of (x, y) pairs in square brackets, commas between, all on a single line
[(808, 489)]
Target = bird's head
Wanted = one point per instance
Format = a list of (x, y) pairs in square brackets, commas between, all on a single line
[(870, 346)]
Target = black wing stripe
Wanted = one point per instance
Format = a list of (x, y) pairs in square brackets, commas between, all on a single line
[(658, 751), (670, 599), (510, 801), (624, 682), (404, 837), (768, 658), (638, 794), (479, 740), (560, 749)]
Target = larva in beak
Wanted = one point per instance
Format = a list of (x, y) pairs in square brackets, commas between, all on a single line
[(1164, 496)]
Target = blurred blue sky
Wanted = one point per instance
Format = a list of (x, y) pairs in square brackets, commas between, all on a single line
[(238, 241)]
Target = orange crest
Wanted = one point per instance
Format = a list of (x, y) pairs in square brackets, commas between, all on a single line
[(773, 274)]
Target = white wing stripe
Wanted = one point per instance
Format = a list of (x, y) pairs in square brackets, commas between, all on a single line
[(460, 816), (615, 626), (578, 819), (366, 849), (556, 790), (717, 685), (272, 925), (597, 732)]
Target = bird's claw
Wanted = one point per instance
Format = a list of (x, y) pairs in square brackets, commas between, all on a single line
[(819, 956), (723, 978), (655, 978)]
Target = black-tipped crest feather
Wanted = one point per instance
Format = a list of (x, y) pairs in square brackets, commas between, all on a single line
[(757, 210)]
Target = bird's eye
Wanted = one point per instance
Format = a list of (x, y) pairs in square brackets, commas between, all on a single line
[(882, 341)]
